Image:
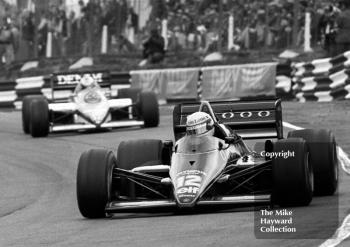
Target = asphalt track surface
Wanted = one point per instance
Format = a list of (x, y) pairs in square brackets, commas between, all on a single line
[(38, 199)]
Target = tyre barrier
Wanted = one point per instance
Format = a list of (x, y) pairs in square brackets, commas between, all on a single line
[(322, 66), (12, 92), (323, 80)]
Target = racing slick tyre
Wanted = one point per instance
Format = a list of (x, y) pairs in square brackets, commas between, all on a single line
[(323, 157), (149, 109), (292, 176), (39, 117), (135, 153), (94, 182), (26, 112), (131, 93)]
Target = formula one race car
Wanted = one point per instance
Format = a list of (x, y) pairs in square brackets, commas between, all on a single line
[(211, 163), (89, 107)]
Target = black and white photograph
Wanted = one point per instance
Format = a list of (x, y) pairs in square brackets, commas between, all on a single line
[(175, 123)]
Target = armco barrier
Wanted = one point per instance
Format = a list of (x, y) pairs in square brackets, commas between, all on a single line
[(118, 78), (12, 92), (323, 79), (7, 94)]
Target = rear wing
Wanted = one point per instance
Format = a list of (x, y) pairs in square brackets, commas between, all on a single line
[(64, 83), (250, 119)]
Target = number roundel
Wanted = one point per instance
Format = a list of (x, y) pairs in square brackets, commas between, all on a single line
[(246, 114), (228, 115), (264, 113)]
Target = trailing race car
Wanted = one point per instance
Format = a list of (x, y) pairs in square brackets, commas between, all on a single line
[(89, 107), (211, 163)]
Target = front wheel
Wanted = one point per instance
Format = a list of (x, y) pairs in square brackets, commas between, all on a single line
[(39, 117), (26, 102), (94, 182)]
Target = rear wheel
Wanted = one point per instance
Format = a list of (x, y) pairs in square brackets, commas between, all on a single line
[(94, 182), (322, 147), (292, 176), (26, 112), (39, 117), (149, 109)]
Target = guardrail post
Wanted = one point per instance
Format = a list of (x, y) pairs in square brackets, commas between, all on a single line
[(49, 45), (307, 33), (231, 26), (104, 40), (165, 33)]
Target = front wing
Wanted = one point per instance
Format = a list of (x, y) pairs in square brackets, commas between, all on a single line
[(118, 207), (141, 176), (115, 124)]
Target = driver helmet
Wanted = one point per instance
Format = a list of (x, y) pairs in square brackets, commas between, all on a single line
[(199, 123), (87, 81)]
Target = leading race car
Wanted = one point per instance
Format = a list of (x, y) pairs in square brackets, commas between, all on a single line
[(211, 163), (89, 107)]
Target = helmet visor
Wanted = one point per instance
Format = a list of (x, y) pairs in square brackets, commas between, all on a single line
[(197, 129)]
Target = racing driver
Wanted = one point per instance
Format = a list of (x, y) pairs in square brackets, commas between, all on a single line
[(84, 83), (200, 124)]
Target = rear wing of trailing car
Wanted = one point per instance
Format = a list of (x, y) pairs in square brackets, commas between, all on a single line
[(64, 83), (252, 119)]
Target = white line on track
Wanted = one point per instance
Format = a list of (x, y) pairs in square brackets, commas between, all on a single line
[(292, 126), (343, 232)]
